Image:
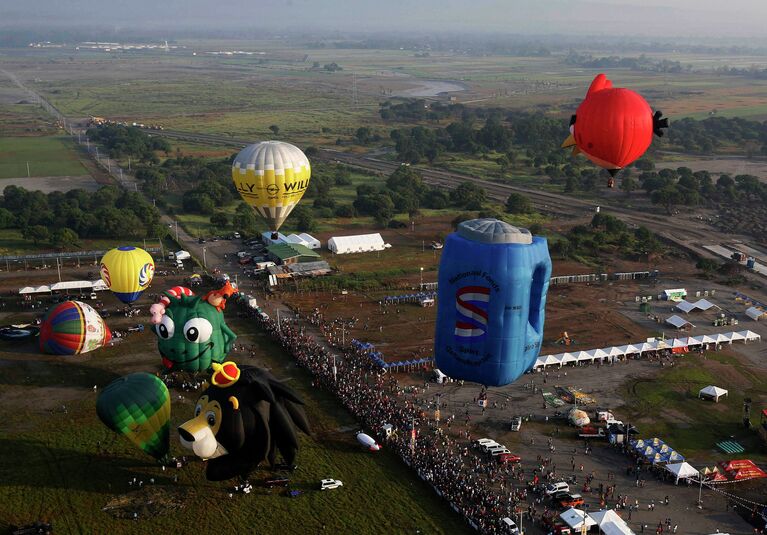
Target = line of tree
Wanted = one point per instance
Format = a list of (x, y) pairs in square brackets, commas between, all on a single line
[(641, 63), (709, 134), (63, 218), (128, 141)]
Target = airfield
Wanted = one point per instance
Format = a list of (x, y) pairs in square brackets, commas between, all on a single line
[(64, 467)]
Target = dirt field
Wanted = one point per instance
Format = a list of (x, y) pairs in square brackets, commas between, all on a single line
[(731, 166), (47, 184)]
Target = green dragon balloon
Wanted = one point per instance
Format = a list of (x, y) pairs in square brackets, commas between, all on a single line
[(191, 331)]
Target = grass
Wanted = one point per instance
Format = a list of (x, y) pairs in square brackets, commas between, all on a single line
[(668, 407), (47, 156), (52, 468)]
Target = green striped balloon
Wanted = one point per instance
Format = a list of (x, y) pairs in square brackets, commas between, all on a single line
[(138, 406)]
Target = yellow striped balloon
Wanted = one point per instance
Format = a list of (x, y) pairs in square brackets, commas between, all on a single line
[(271, 177), (127, 271)]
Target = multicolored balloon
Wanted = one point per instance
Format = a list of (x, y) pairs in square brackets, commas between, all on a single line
[(271, 177), (127, 271), (138, 406), (71, 328)]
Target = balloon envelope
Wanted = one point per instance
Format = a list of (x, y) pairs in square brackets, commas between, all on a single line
[(127, 271), (493, 281), (71, 328), (138, 406), (271, 177), (613, 126)]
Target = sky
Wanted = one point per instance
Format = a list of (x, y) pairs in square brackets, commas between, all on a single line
[(665, 19)]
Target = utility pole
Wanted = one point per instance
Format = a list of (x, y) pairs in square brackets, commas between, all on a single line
[(204, 258), (27, 169), (176, 230)]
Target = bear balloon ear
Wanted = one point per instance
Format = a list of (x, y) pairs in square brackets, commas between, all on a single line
[(235, 402)]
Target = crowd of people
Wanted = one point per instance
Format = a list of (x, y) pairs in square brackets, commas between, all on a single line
[(377, 400)]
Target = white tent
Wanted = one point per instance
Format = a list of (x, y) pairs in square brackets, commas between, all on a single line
[(34, 290), (700, 304), (706, 339), (597, 354), (755, 313), (296, 239), (629, 349), (646, 346), (356, 244), (584, 356), (99, 285), (691, 341), (721, 338), (549, 360), (575, 517), (182, 255), (683, 470), (713, 392), (610, 522), (736, 336), (72, 285), (613, 351), (311, 241), (564, 358), (678, 322), (679, 342), (750, 335)]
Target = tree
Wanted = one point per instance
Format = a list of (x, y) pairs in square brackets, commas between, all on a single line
[(518, 204), (504, 163), (707, 266), (63, 237), (275, 129), (667, 196), (469, 196), (628, 184), (36, 233), (571, 185), (363, 135), (304, 218), (219, 220)]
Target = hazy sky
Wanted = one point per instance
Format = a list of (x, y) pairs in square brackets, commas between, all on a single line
[(660, 18)]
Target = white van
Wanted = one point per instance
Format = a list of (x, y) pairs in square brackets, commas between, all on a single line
[(179, 264), (509, 526), (553, 488), (498, 450), (484, 441), (439, 377), (490, 445)]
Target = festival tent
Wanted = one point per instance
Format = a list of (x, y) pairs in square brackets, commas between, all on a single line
[(682, 470), (610, 522), (736, 336), (675, 456), (691, 341), (548, 360), (583, 356), (310, 241), (356, 244), (613, 351), (721, 338), (33, 290), (575, 518), (707, 339), (596, 354), (750, 335), (646, 346), (564, 358), (655, 442), (678, 322), (629, 349), (678, 342), (701, 304), (755, 313)]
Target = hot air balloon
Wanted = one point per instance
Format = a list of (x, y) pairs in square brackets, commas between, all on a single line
[(127, 271), (138, 406), (71, 328), (613, 126), (271, 177), (493, 281)]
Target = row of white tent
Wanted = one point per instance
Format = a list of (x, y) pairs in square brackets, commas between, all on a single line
[(608, 353), (97, 285)]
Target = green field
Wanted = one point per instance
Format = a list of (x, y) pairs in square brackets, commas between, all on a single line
[(65, 467), (667, 406), (47, 156)]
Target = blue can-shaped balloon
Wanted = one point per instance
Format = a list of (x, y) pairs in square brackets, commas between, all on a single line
[(493, 281)]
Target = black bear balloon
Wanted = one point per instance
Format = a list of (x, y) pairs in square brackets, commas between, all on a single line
[(243, 418)]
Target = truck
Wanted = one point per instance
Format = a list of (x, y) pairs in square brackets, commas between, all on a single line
[(591, 431)]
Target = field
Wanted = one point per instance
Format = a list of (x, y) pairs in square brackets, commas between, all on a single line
[(47, 156), (60, 464)]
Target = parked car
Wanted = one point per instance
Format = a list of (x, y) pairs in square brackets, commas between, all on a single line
[(509, 526), (516, 423), (508, 458), (330, 484), (482, 441), (553, 488), (277, 482), (571, 500)]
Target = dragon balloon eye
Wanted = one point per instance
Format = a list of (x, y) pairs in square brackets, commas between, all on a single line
[(166, 328), (198, 330)]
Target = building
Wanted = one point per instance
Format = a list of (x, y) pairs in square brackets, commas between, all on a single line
[(291, 253), (362, 243), (674, 295)]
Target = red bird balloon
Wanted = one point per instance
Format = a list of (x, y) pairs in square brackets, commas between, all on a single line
[(613, 126)]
